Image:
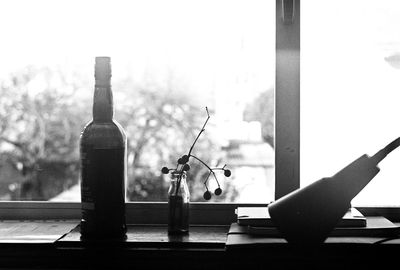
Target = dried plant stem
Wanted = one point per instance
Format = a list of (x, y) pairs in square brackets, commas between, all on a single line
[(202, 162), (205, 182), (201, 131), (190, 151), (208, 167)]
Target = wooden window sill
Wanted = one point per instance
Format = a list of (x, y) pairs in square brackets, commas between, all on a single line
[(156, 236), (25, 244)]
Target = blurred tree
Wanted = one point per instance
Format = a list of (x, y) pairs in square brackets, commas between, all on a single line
[(262, 110), (40, 124), (43, 111)]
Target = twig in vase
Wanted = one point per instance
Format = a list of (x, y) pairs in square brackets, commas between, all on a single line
[(183, 166)]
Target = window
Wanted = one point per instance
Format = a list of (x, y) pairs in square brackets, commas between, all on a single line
[(350, 91), (170, 59), (341, 45)]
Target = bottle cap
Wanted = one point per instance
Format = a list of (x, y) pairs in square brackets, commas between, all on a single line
[(102, 71)]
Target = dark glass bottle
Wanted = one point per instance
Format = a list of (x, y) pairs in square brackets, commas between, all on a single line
[(103, 164), (178, 204)]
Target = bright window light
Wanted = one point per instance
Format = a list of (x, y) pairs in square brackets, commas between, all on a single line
[(170, 59), (350, 91)]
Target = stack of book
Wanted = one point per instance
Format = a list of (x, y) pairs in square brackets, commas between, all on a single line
[(257, 221)]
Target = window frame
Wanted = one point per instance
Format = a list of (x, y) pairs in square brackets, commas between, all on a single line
[(287, 97), (287, 149), (150, 212)]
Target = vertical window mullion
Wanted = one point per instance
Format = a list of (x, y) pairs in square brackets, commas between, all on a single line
[(287, 97)]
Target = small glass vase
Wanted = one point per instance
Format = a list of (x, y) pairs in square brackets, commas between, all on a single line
[(178, 204)]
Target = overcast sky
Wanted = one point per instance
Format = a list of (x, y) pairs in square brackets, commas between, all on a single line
[(206, 44)]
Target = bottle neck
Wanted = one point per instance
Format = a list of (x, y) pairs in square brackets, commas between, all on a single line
[(103, 108), (182, 182), (178, 186)]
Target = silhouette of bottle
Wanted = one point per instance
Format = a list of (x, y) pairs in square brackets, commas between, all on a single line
[(103, 164), (178, 204)]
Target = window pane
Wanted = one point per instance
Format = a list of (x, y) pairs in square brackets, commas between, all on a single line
[(170, 60), (350, 70)]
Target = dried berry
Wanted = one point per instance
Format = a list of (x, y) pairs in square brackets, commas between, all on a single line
[(185, 159), (218, 191), (207, 195), (186, 167), (165, 170), (227, 173)]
